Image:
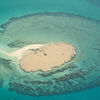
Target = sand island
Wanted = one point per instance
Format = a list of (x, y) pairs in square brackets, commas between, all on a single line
[(44, 57)]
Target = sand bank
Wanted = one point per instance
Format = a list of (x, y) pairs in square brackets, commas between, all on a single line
[(44, 57)]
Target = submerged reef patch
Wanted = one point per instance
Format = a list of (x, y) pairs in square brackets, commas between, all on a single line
[(6, 63), (18, 44), (95, 2), (75, 81), (1, 82)]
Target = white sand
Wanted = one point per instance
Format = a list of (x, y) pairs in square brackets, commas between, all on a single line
[(19, 53)]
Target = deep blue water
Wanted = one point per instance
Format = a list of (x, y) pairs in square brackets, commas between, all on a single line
[(88, 8)]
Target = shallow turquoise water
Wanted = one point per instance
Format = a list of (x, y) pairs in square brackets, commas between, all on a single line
[(80, 7)]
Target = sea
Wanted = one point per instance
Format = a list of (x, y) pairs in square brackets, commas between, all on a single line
[(16, 8)]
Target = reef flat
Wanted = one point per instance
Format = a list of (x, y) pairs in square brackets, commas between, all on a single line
[(82, 72)]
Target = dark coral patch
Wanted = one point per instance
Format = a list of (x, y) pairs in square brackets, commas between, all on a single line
[(76, 80)]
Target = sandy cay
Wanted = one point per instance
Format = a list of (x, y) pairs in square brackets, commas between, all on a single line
[(44, 57)]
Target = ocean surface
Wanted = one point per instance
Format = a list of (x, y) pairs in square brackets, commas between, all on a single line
[(86, 8)]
